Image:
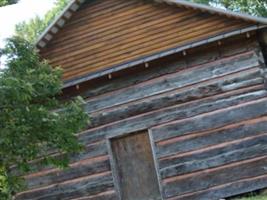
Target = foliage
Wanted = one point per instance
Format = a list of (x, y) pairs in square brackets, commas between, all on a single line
[(31, 30), (32, 119), (260, 197), (253, 7), (7, 2)]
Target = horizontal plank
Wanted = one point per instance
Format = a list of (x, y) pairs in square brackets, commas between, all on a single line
[(154, 118), (204, 89), (102, 33), (109, 195), (200, 140), (215, 156), (173, 81), (86, 67), (91, 150), (211, 120), (214, 177), (85, 63), (71, 189), (134, 36), (170, 64), (227, 190), (75, 170), (203, 153)]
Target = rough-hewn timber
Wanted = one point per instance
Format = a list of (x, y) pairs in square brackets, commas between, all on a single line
[(206, 114)]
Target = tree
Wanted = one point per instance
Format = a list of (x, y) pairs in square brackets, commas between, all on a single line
[(31, 30), (7, 2), (253, 7), (32, 119)]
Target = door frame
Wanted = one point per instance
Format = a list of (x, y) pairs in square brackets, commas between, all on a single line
[(113, 164)]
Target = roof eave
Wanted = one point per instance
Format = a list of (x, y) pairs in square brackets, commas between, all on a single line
[(213, 10), (124, 66), (74, 5)]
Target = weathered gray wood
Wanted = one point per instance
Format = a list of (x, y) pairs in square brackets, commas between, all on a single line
[(227, 190), (202, 140), (90, 151), (240, 150), (206, 153), (198, 96), (70, 189), (173, 81), (234, 81), (151, 119), (135, 167), (77, 170), (215, 177), (146, 74), (108, 195), (230, 47), (214, 119)]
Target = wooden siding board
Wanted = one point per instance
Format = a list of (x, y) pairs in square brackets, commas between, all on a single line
[(71, 189), (76, 170), (173, 81), (205, 111), (171, 64), (227, 190), (180, 96), (109, 195), (126, 56), (200, 140), (148, 120), (204, 152), (135, 36), (211, 120), (217, 155), (214, 177), (91, 151)]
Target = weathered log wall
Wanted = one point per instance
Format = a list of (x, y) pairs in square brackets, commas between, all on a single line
[(206, 114)]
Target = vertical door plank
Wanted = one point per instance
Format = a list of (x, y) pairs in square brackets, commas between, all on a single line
[(135, 168)]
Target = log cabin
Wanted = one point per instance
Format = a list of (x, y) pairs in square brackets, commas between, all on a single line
[(177, 95)]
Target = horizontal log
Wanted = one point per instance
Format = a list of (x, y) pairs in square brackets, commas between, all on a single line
[(234, 81), (211, 120), (214, 177), (227, 190), (71, 189), (75, 170), (171, 64), (201, 140), (215, 156), (148, 120), (173, 81), (203, 153), (109, 195), (91, 150)]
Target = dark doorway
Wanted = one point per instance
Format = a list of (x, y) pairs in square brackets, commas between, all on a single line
[(135, 169)]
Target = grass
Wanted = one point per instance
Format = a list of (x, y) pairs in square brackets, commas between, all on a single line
[(263, 197)]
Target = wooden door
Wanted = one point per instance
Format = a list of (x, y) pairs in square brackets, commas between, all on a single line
[(135, 169)]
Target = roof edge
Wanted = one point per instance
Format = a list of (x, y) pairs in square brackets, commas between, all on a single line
[(214, 10), (58, 22), (74, 5), (179, 49)]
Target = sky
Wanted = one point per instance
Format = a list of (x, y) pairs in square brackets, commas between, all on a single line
[(22, 11)]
